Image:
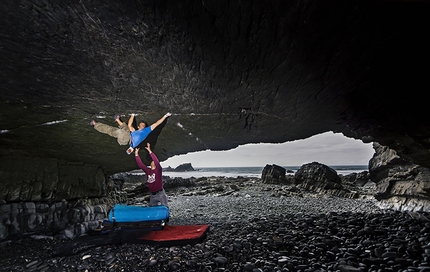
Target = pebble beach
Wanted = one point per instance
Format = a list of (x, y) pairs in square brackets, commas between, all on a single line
[(254, 229)]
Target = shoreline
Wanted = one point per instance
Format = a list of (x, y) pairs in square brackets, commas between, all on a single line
[(249, 171)]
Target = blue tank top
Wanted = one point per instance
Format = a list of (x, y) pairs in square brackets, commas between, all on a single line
[(138, 136)]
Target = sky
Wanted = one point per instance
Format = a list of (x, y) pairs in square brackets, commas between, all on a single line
[(328, 148)]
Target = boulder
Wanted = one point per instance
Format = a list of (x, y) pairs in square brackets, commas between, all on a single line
[(321, 179), (274, 174), (317, 172)]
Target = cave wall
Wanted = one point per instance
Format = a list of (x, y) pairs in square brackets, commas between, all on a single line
[(49, 180), (68, 218), (400, 184), (52, 196), (229, 71)]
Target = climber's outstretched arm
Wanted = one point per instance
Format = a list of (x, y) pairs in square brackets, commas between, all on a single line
[(161, 120)]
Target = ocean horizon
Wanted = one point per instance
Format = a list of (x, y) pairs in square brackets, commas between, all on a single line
[(253, 171)]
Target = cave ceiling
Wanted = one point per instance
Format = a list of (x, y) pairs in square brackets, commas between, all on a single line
[(230, 72)]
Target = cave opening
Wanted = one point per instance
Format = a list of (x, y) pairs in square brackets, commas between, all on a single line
[(333, 149)]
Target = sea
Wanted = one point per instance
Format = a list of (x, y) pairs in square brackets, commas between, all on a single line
[(253, 171)]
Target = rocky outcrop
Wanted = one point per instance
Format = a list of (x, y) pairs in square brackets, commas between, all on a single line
[(185, 167), (359, 179), (401, 185), (274, 174), (322, 179)]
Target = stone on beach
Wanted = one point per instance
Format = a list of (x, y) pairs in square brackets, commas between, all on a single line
[(273, 174)]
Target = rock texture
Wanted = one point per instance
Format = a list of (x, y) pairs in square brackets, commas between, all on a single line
[(49, 180), (273, 174), (52, 196), (401, 185), (70, 218), (232, 73), (322, 179)]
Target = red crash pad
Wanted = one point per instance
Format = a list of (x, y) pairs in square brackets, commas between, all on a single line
[(171, 235)]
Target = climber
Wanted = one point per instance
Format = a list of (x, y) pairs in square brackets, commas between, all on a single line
[(127, 134)]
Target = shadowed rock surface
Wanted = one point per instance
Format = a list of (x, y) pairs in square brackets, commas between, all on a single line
[(230, 73), (322, 179), (401, 185)]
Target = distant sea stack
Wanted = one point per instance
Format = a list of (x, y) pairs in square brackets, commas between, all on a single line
[(185, 167)]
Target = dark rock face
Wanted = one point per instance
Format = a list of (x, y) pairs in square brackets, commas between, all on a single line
[(273, 174), (229, 72), (401, 185), (316, 172), (70, 218), (358, 179), (49, 196), (50, 180), (322, 179)]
